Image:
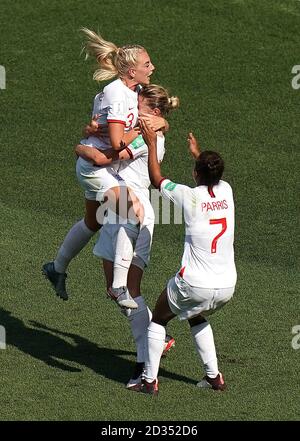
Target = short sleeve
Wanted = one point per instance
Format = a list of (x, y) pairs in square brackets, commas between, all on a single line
[(177, 193), (116, 103)]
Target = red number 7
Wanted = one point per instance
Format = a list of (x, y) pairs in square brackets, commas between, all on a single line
[(224, 227)]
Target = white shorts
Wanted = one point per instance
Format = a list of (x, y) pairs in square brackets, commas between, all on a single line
[(96, 183), (105, 247), (106, 243), (187, 301)]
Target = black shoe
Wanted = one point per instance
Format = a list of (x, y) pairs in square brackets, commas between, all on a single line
[(57, 280)]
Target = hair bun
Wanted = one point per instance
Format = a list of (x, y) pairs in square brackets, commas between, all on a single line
[(173, 102)]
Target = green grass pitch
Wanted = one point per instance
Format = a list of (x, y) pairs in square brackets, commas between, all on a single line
[(230, 63)]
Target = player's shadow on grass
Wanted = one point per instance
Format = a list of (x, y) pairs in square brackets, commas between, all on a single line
[(56, 348)]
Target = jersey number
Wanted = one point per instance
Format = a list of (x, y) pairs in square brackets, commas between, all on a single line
[(224, 227), (129, 120)]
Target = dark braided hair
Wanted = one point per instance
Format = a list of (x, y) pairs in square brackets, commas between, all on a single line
[(209, 167)]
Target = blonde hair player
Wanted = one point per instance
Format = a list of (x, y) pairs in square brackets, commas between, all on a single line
[(117, 105), (153, 100), (206, 280)]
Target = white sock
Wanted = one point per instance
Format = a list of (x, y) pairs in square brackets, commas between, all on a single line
[(205, 346), (76, 239), (154, 348), (126, 238), (139, 321)]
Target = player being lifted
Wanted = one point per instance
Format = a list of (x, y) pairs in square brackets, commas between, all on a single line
[(207, 277), (117, 105)]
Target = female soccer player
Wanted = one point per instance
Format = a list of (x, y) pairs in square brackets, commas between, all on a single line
[(117, 105), (207, 277), (133, 169)]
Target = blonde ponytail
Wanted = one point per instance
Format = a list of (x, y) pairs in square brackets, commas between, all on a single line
[(113, 61), (105, 53)]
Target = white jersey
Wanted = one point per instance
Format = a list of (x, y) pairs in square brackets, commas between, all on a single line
[(135, 175), (208, 258), (134, 171), (116, 103)]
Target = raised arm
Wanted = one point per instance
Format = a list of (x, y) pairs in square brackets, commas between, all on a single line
[(193, 146), (150, 137)]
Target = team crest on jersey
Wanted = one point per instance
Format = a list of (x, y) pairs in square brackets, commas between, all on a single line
[(170, 186)]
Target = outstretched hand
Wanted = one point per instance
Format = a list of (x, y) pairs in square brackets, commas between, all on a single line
[(193, 146), (148, 133)]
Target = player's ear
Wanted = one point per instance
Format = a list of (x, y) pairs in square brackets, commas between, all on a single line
[(131, 72), (156, 112)]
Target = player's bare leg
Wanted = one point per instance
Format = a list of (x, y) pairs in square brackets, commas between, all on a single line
[(108, 268), (90, 217)]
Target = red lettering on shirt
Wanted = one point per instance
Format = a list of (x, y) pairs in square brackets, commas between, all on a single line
[(213, 206)]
